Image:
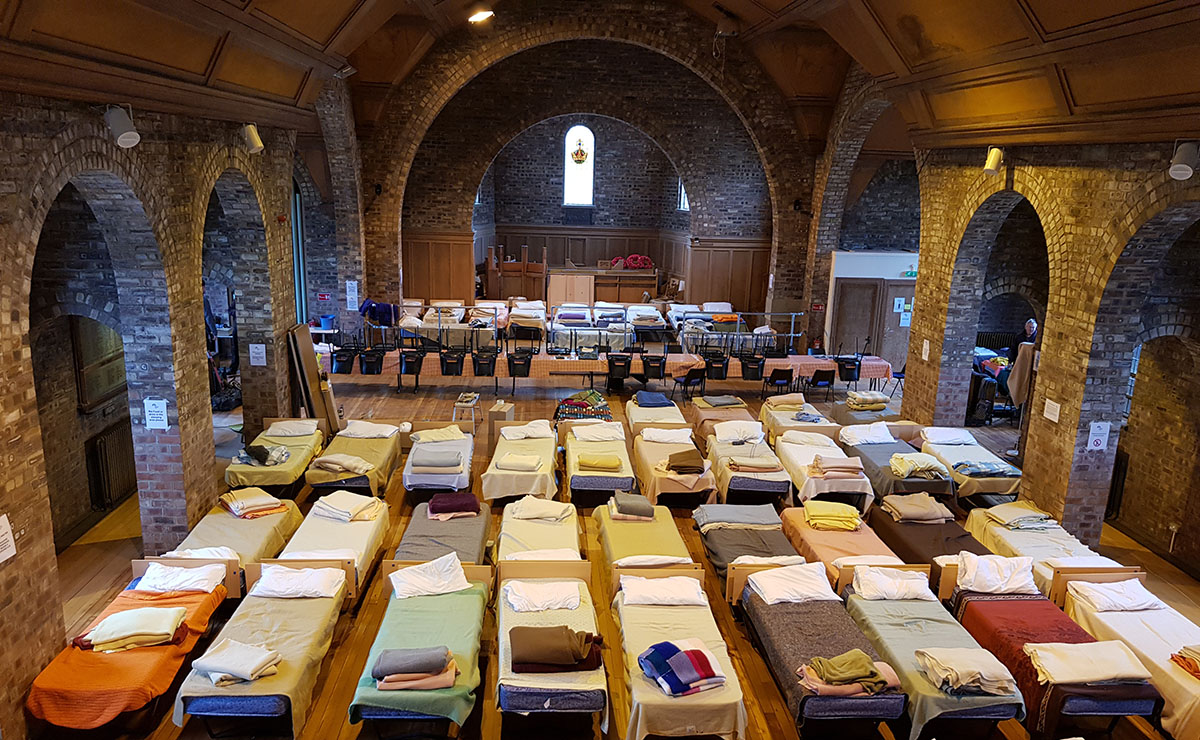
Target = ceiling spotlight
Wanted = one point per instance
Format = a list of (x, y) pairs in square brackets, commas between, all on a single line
[(344, 71), (250, 137), (995, 160), (480, 13), (120, 124), (1185, 161)]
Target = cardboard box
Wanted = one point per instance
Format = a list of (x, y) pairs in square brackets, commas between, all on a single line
[(498, 412)]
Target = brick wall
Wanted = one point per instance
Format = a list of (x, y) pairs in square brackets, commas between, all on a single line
[(1005, 312), (320, 243), (887, 215), (336, 114), (217, 261)]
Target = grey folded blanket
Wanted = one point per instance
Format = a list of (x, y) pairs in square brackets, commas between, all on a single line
[(436, 458), (632, 504), (719, 401), (410, 660)]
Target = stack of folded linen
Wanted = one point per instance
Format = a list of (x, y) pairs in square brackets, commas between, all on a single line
[(830, 515), (688, 462), (436, 462), (1188, 658), (916, 507), (533, 507), (852, 673), (340, 463), (630, 507), (1021, 515), (965, 670), (733, 516), (652, 400), (408, 669), (251, 503), (230, 662), (583, 405), (682, 667), (446, 506), (135, 628), (557, 649), (605, 463), (647, 319), (720, 401), (344, 506), (805, 417), (1110, 661), (262, 455), (827, 467), (917, 465), (748, 464), (519, 463), (785, 402), (866, 401)]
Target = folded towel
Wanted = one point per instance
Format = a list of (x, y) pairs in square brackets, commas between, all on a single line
[(957, 670), (229, 662), (533, 507), (449, 503), (753, 469), (523, 463), (347, 507), (842, 464), (590, 663), (688, 461), (856, 406), (1089, 662), (136, 628), (853, 666), (410, 660), (867, 397), (427, 458), (443, 680), (558, 645), (615, 513), (338, 463), (633, 505), (590, 461), (652, 400)]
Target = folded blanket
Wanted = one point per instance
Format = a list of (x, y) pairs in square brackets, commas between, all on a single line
[(681, 667), (1018, 514), (229, 662), (251, 503), (851, 667), (590, 663), (557, 645), (533, 507), (443, 680), (916, 507), (430, 660), (611, 463), (917, 465), (135, 628), (812, 682), (427, 458), (1191, 665), (965, 670), (831, 515), (735, 516), (615, 513), (720, 401), (842, 464), (348, 507), (262, 456), (632, 504), (688, 461), (338, 463), (745, 462), (652, 400), (867, 397), (806, 418), (1089, 662), (986, 469), (449, 503), (785, 402), (524, 463), (423, 470), (854, 406)]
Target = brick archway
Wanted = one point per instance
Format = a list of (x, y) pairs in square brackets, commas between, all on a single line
[(662, 27)]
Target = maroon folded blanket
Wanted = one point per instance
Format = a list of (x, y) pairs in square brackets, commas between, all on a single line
[(450, 503), (590, 663)]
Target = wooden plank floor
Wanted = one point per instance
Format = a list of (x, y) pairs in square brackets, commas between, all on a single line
[(375, 397)]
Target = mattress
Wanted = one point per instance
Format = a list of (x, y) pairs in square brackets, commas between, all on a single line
[(655, 482), (777, 422), (1039, 544), (723, 545), (1153, 635), (704, 419), (522, 535), (718, 711), (319, 533), (719, 453), (427, 539), (796, 458), (637, 415), (300, 630), (844, 415), (302, 450), (950, 455), (383, 453), (252, 539), (876, 460), (792, 634), (499, 483), (622, 538), (454, 620), (899, 628), (827, 546), (596, 480), (454, 481), (920, 543), (1003, 624), (574, 691)]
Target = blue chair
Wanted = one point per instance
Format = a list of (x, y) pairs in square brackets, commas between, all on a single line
[(689, 382), (778, 381), (899, 378), (822, 379)]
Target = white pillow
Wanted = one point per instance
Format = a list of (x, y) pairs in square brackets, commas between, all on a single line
[(447, 433), (877, 584), (540, 596), (607, 431), (650, 561), (1122, 596), (444, 575), (717, 307), (682, 308), (670, 591), (357, 429), (161, 579), (947, 436), (808, 439), (282, 582), (734, 431), (292, 428), (552, 553), (536, 429), (793, 583), (995, 574), (531, 305), (667, 436), (219, 552), (845, 560), (866, 434)]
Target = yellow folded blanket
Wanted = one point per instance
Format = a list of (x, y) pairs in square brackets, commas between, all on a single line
[(908, 464), (135, 628), (523, 463), (600, 462), (831, 515), (865, 406)]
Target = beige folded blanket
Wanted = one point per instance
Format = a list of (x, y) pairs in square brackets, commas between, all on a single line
[(339, 463), (916, 507), (1089, 662), (839, 464), (753, 462), (424, 470), (524, 463)]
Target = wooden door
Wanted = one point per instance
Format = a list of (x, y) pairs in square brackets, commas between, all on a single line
[(891, 339), (856, 308)]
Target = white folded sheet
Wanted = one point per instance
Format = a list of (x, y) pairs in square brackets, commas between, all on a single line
[(229, 662), (966, 668), (1089, 662)]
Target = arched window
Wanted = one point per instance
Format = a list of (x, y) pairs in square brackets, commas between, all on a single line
[(299, 271), (683, 201), (579, 166)]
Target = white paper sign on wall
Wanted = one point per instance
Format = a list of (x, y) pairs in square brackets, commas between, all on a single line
[(258, 355), (1051, 411), (906, 318), (898, 305), (352, 295), (925, 350), (8, 545), (1098, 436), (156, 413)]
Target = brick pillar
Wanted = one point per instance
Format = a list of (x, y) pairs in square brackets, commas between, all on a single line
[(336, 115)]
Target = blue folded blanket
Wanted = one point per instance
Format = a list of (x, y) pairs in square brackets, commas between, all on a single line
[(652, 400), (762, 514)]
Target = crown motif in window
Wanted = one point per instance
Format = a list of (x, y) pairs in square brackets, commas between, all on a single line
[(579, 155)]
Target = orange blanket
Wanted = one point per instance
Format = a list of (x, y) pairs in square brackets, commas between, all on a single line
[(82, 689)]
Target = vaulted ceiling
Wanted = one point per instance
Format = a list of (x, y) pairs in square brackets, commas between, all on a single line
[(961, 72)]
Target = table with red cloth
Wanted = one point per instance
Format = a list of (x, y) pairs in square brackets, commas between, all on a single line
[(803, 366), (1003, 623)]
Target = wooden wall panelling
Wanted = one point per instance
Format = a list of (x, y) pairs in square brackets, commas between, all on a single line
[(439, 264), (733, 270)]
